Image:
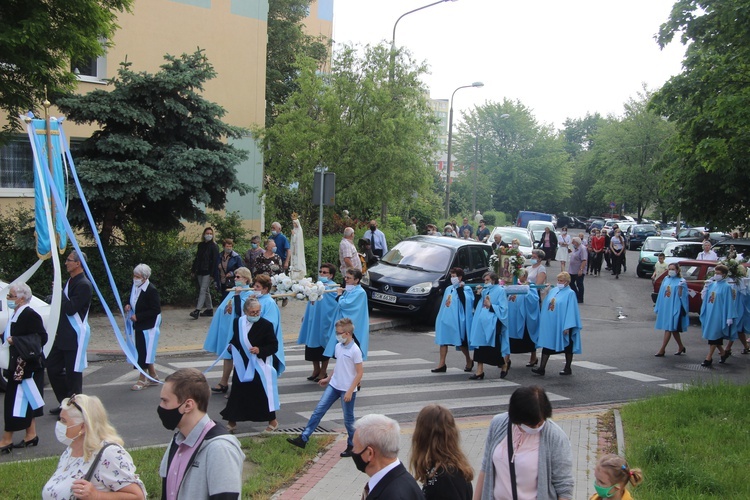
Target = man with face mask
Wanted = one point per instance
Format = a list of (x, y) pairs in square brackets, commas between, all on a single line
[(202, 460), (377, 239), (376, 444)]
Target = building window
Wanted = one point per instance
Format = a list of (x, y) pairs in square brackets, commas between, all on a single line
[(16, 168), (93, 70)]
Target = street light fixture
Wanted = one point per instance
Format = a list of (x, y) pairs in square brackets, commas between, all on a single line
[(450, 141)]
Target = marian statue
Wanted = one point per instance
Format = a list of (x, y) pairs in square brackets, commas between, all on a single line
[(297, 266)]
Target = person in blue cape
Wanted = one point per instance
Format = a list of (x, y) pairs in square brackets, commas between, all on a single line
[(255, 393), (316, 325), (489, 334), (270, 311), (352, 303), (523, 320), (718, 313), (671, 309), (742, 324), (220, 331), (453, 322), (559, 325)]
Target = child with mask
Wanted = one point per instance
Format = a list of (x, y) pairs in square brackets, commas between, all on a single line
[(612, 476), (341, 384)]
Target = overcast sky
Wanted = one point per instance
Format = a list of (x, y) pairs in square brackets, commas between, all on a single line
[(560, 58)]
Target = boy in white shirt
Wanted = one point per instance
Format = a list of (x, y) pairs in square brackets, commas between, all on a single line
[(342, 384)]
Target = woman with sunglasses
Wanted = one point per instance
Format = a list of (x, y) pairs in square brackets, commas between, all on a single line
[(85, 429), (25, 330)]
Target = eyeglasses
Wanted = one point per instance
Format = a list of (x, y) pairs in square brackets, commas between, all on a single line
[(70, 260)]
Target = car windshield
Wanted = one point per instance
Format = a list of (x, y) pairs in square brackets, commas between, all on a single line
[(537, 227), (644, 229), (420, 255), (743, 250), (683, 251), (522, 237), (655, 245)]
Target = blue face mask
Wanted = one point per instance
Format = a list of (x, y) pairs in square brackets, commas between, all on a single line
[(274, 233), (533, 262), (604, 492), (487, 286), (240, 284), (254, 245), (323, 279), (252, 319), (12, 305)]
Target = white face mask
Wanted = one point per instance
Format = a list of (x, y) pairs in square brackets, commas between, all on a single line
[(208, 237), (455, 280), (672, 273), (340, 338), (137, 282), (349, 288), (531, 430), (60, 433), (561, 285), (718, 277)]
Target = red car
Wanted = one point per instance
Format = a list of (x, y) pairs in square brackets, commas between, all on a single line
[(694, 272)]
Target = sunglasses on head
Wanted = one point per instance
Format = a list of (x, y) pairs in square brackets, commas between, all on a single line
[(72, 401)]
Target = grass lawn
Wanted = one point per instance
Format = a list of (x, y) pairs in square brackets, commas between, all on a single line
[(270, 463), (692, 444)]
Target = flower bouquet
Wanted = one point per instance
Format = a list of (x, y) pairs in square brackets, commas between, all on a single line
[(507, 263)]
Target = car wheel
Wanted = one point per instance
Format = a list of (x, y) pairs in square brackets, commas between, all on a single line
[(639, 272)]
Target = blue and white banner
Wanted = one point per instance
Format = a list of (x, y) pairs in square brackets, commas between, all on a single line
[(27, 393)]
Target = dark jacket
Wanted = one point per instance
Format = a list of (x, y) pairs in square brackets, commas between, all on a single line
[(206, 259), (78, 301), (29, 336), (398, 484), (147, 308), (553, 245)]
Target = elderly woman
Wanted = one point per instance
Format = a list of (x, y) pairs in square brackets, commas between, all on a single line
[(91, 443), (255, 394), (220, 331), (671, 309), (559, 325), (26, 334), (144, 320), (549, 244), (489, 337), (270, 311), (269, 263), (526, 444)]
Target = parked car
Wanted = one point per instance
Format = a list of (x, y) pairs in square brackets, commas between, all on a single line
[(524, 216), (652, 247), (741, 245), (682, 250), (637, 234), (570, 222), (536, 228), (690, 234), (413, 275), (694, 272), (524, 236), (596, 224), (624, 225)]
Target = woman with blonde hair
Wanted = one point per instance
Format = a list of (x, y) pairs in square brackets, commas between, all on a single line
[(437, 460), (94, 460), (612, 476)]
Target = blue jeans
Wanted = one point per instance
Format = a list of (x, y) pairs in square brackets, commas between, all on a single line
[(330, 395)]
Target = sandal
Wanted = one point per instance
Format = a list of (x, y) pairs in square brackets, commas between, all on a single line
[(231, 427), (140, 385), (220, 388), (271, 428)]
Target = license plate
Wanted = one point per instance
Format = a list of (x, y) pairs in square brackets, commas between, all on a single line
[(385, 298)]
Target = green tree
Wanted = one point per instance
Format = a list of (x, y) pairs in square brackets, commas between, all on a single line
[(578, 135), (286, 41), (39, 38), (159, 156), (525, 162), (373, 133), (709, 102)]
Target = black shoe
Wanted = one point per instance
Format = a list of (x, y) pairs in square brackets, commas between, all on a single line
[(532, 365), (681, 351), (538, 371), (298, 442), (723, 359), (26, 444), (442, 369), (55, 411), (207, 313), (220, 389), (707, 363), (477, 376), (6, 450), (195, 314), (468, 369), (348, 452), (660, 355), (566, 371)]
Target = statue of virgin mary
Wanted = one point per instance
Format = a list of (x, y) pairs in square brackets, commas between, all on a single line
[(297, 266)]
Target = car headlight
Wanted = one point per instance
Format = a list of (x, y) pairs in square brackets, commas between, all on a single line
[(420, 288), (365, 278), (646, 260)]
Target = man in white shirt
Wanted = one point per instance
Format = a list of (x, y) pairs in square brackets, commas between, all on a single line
[(348, 256), (376, 443), (707, 253), (377, 239)]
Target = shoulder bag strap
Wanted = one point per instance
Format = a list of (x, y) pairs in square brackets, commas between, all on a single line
[(511, 465), (95, 463)]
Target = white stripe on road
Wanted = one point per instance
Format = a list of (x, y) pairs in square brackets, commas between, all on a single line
[(202, 363), (593, 366), (387, 375), (415, 407), (678, 387), (640, 377)]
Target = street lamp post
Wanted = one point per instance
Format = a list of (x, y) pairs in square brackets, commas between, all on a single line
[(450, 142)]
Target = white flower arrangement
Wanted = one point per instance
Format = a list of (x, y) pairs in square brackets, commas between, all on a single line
[(304, 289)]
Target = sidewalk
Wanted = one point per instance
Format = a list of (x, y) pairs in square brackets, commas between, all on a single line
[(334, 477), (182, 334)]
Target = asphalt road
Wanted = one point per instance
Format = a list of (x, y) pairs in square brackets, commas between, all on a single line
[(617, 365)]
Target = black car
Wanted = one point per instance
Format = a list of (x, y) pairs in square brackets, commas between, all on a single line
[(637, 234), (741, 246), (413, 275), (570, 222)]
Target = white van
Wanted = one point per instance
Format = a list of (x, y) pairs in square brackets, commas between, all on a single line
[(536, 228)]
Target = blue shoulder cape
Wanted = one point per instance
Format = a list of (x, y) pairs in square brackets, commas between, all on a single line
[(523, 313), (484, 323), (270, 311), (719, 305), (559, 313), (352, 305), (671, 301), (220, 331), (316, 324), (454, 321)]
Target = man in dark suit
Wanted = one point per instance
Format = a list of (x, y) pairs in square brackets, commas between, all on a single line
[(377, 440), (65, 363)]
